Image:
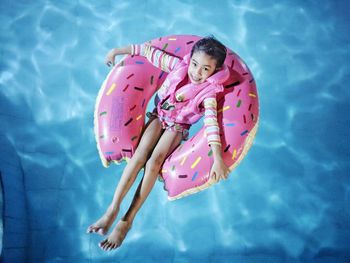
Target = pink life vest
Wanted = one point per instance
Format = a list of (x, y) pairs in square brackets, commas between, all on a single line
[(189, 110)]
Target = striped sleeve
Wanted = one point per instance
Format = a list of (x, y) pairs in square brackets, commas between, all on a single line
[(210, 121), (157, 57)]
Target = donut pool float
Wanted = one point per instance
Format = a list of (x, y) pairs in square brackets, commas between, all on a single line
[(119, 117)]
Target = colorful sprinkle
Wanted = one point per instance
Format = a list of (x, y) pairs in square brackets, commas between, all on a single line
[(183, 160), (245, 73), (128, 77), (161, 74), (165, 46), (177, 49), (102, 136), (173, 168), (139, 117), (230, 124), (109, 153), (238, 103), (232, 63), (126, 87), (164, 171), (227, 147), (252, 116), (250, 81), (210, 153), (134, 138), (252, 95), (234, 154), (111, 89), (244, 119), (127, 150), (189, 42), (182, 176), (139, 62), (103, 113), (196, 162), (128, 122), (245, 132), (143, 103), (223, 109), (239, 92), (133, 107), (194, 176), (250, 106), (137, 88), (152, 78), (172, 38)]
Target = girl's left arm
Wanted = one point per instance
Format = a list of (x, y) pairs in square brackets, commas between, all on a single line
[(219, 169)]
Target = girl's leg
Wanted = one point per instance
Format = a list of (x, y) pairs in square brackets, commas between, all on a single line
[(147, 143), (167, 143)]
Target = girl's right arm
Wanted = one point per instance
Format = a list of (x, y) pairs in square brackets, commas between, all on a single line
[(157, 57), (110, 58)]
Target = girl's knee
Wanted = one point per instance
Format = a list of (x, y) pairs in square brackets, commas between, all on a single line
[(155, 162)]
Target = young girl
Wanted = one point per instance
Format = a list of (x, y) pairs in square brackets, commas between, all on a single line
[(188, 91)]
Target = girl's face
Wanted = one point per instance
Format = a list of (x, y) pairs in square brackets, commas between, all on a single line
[(201, 67)]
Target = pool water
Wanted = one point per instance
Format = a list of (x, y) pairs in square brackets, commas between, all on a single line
[(288, 201)]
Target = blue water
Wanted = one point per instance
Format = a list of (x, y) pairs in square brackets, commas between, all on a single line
[(288, 201)]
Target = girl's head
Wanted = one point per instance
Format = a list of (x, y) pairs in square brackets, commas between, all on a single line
[(207, 57)]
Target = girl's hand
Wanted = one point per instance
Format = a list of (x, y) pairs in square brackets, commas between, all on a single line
[(110, 58), (219, 170)]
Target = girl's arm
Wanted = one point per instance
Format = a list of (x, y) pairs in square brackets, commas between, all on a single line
[(157, 57), (110, 58), (219, 169)]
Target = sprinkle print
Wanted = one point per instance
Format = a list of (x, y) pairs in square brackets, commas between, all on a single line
[(183, 160), (137, 88), (196, 162), (165, 46), (234, 154), (131, 75), (224, 109), (111, 89), (126, 87), (128, 122), (245, 132), (194, 176)]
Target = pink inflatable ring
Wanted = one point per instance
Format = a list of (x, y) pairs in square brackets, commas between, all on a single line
[(120, 117)]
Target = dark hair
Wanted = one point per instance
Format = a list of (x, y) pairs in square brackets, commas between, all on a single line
[(211, 47)]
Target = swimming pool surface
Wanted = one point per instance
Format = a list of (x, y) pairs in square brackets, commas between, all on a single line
[(288, 201)]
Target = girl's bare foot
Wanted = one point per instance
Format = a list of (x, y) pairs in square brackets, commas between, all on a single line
[(102, 225), (115, 239)]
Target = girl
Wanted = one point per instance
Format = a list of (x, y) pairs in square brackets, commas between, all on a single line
[(188, 91)]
